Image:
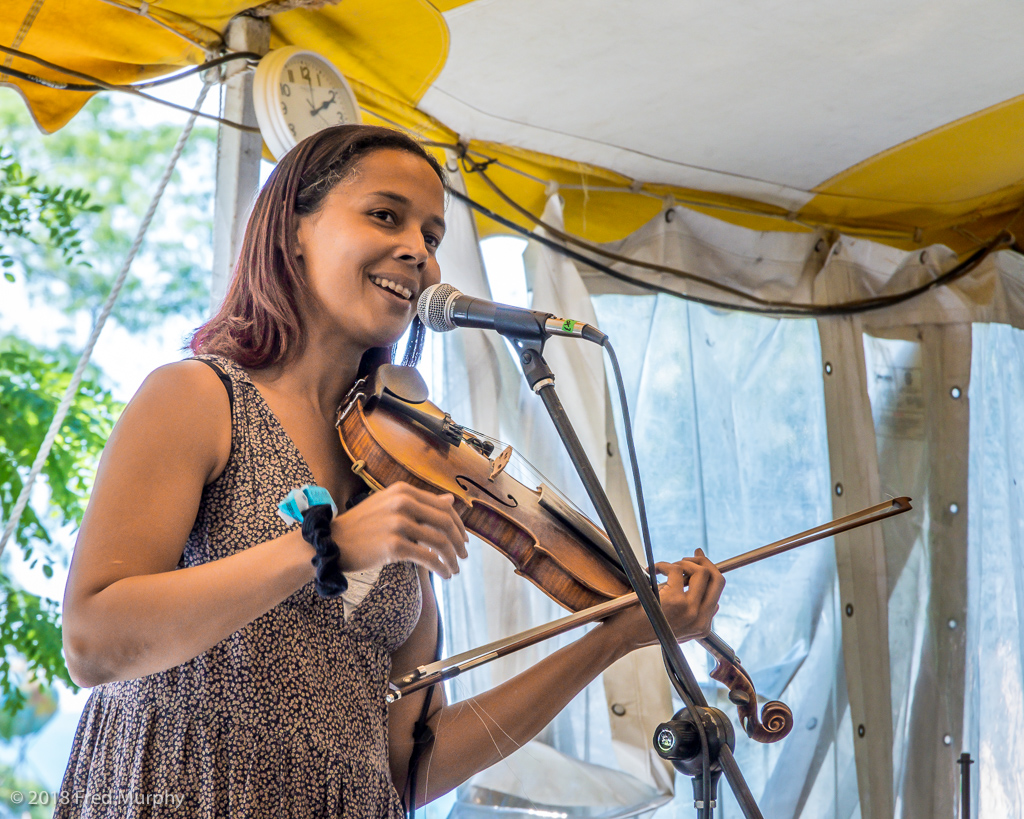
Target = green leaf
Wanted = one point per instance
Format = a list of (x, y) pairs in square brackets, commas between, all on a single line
[(70, 239), (34, 380)]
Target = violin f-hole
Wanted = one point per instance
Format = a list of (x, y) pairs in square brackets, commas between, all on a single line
[(460, 478)]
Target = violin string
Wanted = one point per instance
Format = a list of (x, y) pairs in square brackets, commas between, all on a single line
[(504, 759), (479, 710), (434, 744), (520, 468)]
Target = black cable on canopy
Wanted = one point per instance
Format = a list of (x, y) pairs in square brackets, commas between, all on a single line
[(780, 309)]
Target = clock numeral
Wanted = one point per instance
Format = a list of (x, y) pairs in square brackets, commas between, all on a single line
[(304, 72), (284, 109), (286, 90), (291, 75), (291, 127), (318, 78)]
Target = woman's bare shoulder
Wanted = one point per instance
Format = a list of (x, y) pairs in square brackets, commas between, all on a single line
[(173, 438), (190, 374), (187, 404)]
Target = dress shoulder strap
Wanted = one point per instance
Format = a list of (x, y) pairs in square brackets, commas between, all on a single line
[(224, 377)]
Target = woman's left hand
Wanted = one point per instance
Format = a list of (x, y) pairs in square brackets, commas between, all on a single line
[(689, 598)]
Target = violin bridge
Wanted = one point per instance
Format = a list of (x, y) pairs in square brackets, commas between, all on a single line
[(498, 464)]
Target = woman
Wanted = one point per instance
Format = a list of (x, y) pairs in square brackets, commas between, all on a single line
[(225, 685)]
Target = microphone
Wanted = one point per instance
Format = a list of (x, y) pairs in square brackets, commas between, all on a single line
[(441, 308)]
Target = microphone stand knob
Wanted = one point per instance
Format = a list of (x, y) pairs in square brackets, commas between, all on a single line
[(679, 742)]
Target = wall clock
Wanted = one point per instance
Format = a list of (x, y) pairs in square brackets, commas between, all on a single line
[(296, 93)]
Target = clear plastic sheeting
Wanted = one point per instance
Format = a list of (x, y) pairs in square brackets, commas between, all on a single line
[(918, 387), (896, 396), (994, 718), (730, 429), (897, 646), (538, 781)]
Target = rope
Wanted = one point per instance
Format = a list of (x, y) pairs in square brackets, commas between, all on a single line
[(76, 379)]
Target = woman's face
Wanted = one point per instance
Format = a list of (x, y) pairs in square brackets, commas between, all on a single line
[(371, 249)]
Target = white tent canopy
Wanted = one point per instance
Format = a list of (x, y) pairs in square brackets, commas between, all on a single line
[(760, 100)]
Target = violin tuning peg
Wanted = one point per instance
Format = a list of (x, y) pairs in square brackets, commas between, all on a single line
[(737, 697)]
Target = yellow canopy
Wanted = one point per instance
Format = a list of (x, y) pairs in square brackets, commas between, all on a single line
[(885, 119)]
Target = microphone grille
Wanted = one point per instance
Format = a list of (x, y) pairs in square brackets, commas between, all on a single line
[(432, 308)]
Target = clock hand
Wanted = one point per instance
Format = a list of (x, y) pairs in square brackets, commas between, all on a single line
[(309, 82), (326, 105)]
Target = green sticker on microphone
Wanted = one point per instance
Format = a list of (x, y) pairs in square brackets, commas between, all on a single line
[(568, 325)]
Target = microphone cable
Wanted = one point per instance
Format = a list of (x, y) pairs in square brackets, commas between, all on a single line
[(705, 810)]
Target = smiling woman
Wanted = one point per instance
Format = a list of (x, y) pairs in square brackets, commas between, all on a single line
[(227, 671), (259, 322), (371, 246)]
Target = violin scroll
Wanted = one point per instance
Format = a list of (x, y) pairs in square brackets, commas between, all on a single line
[(776, 719)]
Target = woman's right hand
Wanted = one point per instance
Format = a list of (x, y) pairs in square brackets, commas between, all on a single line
[(400, 523), (689, 600)]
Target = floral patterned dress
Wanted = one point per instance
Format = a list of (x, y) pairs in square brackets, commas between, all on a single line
[(284, 718)]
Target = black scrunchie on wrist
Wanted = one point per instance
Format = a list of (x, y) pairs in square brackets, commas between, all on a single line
[(316, 529)]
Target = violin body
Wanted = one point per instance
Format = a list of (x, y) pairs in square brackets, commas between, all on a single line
[(387, 446), (393, 433)]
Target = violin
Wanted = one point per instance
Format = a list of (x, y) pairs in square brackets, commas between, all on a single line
[(392, 433)]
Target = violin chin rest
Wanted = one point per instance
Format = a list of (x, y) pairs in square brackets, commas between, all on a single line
[(404, 383)]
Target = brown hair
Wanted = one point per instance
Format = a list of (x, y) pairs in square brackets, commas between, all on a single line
[(258, 323)]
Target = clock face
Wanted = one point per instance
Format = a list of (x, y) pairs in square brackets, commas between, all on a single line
[(313, 97), (297, 93)]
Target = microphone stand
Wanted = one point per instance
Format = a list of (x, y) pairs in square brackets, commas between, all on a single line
[(674, 740)]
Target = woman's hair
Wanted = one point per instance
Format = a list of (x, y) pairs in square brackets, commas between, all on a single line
[(258, 323)]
